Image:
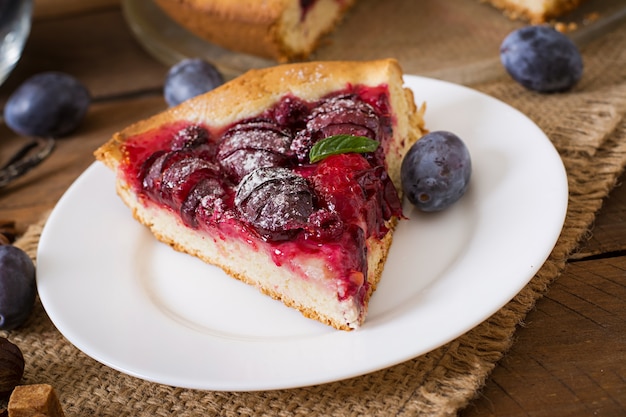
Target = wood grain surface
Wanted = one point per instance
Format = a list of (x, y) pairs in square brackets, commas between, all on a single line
[(569, 357), (45, 9)]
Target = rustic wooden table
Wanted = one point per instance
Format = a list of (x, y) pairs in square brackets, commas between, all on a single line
[(569, 359)]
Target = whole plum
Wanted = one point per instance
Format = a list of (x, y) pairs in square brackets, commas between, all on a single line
[(189, 78), (541, 59), (17, 287), (436, 171), (49, 104)]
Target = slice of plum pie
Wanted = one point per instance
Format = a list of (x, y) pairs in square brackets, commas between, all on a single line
[(287, 178)]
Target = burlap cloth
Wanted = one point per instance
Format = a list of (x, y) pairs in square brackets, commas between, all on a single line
[(587, 126)]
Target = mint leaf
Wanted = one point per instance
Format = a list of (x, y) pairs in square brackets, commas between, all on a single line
[(338, 144)]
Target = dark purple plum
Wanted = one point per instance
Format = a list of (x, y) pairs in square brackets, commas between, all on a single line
[(436, 171), (49, 104), (17, 287), (190, 78), (11, 367), (541, 59)]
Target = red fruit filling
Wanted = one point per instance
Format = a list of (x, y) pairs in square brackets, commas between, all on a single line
[(253, 180)]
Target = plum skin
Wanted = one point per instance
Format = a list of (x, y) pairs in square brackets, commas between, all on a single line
[(190, 78), (17, 287), (49, 104), (541, 59), (436, 171)]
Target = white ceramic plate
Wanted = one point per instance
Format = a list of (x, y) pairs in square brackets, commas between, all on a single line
[(139, 307)]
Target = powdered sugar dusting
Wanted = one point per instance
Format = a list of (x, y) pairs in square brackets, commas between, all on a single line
[(276, 201)]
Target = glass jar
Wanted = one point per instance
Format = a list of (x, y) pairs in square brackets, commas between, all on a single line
[(15, 22)]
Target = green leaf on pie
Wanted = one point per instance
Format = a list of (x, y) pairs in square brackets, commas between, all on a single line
[(338, 144)]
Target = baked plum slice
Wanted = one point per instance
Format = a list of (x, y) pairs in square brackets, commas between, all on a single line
[(291, 112), (182, 176), (253, 144), (169, 177), (190, 137), (204, 203), (340, 115), (275, 201)]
